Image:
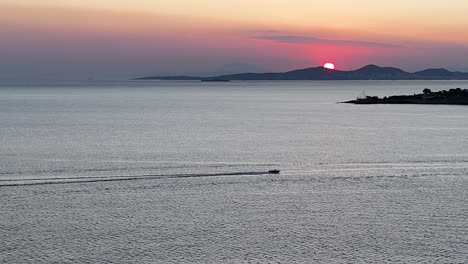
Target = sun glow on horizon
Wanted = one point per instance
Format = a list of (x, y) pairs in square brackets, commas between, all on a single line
[(329, 66), (123, 38)]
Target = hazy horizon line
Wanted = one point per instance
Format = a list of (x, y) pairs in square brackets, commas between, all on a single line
[(311, 67)]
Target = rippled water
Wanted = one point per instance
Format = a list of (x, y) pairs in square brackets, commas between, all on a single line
[(174, 172)]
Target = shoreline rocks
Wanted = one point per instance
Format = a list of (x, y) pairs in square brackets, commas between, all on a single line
[(456, 96)]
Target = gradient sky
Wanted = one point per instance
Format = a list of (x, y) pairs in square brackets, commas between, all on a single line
[(111, 39)]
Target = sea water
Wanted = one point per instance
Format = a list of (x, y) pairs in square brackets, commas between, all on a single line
[(174, 172)]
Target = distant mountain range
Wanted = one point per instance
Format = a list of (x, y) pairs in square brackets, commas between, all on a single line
[(369, 72)]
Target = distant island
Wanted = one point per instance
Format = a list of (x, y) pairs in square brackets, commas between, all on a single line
[(214, 80), (451, 97), (369, 72)]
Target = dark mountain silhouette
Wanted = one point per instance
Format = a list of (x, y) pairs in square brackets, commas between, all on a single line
[(441, 74), (369, 72), (378, 73)]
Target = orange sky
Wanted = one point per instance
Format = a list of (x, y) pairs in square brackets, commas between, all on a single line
[(207, 36)]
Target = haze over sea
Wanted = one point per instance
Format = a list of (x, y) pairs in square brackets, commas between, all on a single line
[(173, 172)]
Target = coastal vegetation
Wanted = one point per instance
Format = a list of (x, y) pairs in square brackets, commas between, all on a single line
[(456, 96)]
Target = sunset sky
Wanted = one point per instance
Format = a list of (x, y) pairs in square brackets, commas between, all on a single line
[(119, 39)]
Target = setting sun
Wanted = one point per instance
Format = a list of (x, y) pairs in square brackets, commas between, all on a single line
[(329, 66)]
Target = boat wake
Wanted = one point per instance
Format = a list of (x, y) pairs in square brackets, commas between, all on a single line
[(92, 179)]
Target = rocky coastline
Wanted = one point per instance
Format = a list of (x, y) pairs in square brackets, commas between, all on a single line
[(456, 96)]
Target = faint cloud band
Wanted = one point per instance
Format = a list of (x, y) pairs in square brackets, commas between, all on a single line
[(291, 39)]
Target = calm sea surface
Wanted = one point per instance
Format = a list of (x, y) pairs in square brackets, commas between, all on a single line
[(174, 172)]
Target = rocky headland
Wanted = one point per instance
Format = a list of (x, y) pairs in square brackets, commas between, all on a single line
[(456, 96)]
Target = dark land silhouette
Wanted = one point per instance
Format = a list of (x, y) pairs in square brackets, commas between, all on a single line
[(369, 72), (456, 96), (214, 80)]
